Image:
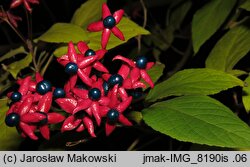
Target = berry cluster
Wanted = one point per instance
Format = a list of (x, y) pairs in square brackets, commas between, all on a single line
[(102, 97), (30, 108)]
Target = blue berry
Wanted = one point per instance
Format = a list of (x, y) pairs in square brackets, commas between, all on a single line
[(112, 116), (16, 96), (141, 62), (109, 22), (43, 87), (71, 68), (12, 119), (115, 79), (95, 94), (59, 93), (89, 52), (105, 86)]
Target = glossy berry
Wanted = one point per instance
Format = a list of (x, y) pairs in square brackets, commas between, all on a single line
[(16, 96), (95, 94), (12, 119), (43, 87), (112, 116), (141, 62), (71, 68), (115, 79), (89, 52), (109, 22), (59, 93), (105, 86)]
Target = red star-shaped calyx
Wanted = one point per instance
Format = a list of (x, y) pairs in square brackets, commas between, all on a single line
[(43, 107), (27, 120), (79, 120), (91, 99), (139, 68), (114, 112), (76, 65), (86, 51), (122, 81), (108, 25)]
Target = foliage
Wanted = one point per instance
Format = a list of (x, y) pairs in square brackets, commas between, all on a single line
[(198, 119), (194, 82), (208, 20), (225, 55)]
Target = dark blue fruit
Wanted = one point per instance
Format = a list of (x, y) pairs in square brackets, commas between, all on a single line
[(59, 93), (109, 22), (115, 79), (141, 62), (16, 96), (71, 68), (112, 116), (95, 94), (89, 52), (43, 87), (12, 119)]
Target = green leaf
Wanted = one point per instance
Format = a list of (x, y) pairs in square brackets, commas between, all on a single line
[(246, 95), (64, 33), (194, 82), (246, 5), (89, 12), (156, 71), (9, 139), (16, 67), (60, 51), (12, 53), (237, 73), (208, 20), (232, 47), (127, 27), (198, 119)]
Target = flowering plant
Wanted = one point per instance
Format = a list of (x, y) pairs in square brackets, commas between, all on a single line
[(102, 75)]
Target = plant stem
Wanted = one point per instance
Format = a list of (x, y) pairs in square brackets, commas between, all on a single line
[(42, 60), (30, 40), (144, 23), (17, 32), (47, 65), (29, 23), (74, 143), (132, 146)]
